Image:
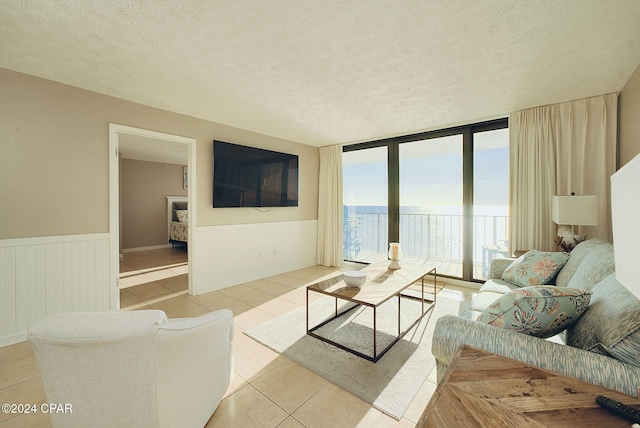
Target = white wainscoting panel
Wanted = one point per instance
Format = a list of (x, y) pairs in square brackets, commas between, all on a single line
[(233, 254), (47, 275)]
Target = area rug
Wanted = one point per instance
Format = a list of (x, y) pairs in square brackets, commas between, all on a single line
[(388, 385)]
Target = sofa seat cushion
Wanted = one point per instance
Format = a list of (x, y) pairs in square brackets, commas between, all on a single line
[(611, 325), (535, 268), (490, 291), (482, 300), (542, 311), (498, 286)]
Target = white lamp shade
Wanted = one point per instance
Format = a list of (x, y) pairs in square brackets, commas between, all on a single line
[(575, 210), (625, 210)]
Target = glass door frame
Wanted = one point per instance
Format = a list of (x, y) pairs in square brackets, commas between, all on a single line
[(393, 179)]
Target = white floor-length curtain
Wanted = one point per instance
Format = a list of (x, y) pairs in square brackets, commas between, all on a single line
[(586, 165), (330, 235), (532, 179), (556, 150)]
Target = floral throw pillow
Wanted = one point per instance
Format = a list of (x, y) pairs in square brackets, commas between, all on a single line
[(542, 311), (535, 268)]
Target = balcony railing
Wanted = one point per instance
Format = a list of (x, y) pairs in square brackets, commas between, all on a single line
[(428, 236)]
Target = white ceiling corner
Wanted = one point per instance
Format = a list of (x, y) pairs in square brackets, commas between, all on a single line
[(324, 72)]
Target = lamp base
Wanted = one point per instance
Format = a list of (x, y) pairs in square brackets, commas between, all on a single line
[(567, 240)]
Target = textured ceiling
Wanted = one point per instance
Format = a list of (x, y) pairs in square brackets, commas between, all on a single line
[(137, 147), (325, 72)]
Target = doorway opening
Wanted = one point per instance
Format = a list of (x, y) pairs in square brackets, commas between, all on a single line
[(155, 263)]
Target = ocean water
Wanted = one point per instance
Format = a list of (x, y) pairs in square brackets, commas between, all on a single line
[(429, 232), (482, 210)]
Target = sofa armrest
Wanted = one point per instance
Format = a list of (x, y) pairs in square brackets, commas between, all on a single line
[(194, 355), (452, 331), (498, 266)]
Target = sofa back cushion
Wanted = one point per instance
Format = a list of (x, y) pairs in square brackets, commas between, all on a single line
[(578, 254), (596, 266), (611, 325)]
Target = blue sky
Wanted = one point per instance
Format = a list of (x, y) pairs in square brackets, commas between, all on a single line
[(429, 180)]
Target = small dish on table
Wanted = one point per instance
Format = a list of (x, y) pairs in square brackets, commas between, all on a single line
[(355, 278)]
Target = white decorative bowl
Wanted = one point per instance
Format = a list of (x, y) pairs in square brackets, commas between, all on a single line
[(355, 278)]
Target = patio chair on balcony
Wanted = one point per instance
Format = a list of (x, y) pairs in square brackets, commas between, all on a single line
[(490, 252), (351, 242)]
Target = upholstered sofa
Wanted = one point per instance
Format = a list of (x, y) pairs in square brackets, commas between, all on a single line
[(602, 347)]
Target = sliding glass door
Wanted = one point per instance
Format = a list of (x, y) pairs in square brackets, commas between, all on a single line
[(431, 208), (366, 206), (490, 199), (443, 195)]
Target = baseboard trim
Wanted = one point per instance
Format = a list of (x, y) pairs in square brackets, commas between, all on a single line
[(153, 247), (13, 339)]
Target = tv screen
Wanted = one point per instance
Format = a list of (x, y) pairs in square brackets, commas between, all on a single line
[(249, 177)]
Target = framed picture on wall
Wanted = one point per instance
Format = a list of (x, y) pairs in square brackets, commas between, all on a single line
[(185, 178)]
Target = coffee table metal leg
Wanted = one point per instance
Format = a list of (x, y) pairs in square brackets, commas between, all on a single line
[(375, 328), (435, 285), (422, 287), (399, 314)]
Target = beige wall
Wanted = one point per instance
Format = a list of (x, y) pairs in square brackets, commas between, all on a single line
[(630, 119), (54, 167), (143, 196)]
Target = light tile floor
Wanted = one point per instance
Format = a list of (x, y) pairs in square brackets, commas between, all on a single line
[(268, 390)]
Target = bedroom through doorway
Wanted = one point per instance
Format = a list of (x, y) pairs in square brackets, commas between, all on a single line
[(151, 238)]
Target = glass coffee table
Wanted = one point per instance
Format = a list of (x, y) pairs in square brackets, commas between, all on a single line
[(383, 283)]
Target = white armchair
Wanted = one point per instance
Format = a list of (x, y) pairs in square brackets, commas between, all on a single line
[(138, 368)]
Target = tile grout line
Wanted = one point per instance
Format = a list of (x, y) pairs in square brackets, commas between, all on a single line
[(20, 383)]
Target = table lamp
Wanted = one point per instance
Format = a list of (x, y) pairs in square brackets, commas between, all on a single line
[(569, 211)]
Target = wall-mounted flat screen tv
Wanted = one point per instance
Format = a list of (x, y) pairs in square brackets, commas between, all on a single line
[(249, 177)]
